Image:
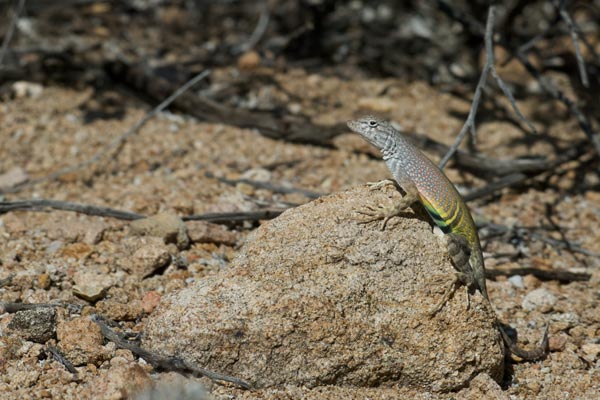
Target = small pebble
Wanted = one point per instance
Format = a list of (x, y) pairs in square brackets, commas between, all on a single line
[(13, 177), (150, 301), (517, 281), (90, 293), (591, 350), (557, 343), (23, 89), (167, 226), (249, 61), (37, 325), (44, 281), (539, 299)]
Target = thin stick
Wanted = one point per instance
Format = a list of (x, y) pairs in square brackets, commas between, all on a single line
[(557, 94), (224, 218), (555, 275), (11, 29), (6, 281), (116, 143), (561, 6), (522, 232), (42, 204), (259, 31), (58, 356), (488, 67), (157, 360), (218, 218), (10, 307), (470, 122), (267, 185)]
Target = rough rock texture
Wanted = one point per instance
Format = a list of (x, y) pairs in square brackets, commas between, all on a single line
[(167, 226), (81, 342), (37, 325), (317, 299), (481, 387)]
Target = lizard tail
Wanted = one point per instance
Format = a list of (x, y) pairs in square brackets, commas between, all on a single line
[(527, 355)]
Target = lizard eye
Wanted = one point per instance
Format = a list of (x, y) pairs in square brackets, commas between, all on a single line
[(373, 123)]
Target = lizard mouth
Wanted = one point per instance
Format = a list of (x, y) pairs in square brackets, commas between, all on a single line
[(353, 125)]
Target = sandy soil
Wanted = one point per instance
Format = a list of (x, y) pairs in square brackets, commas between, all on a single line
[(162, 169)]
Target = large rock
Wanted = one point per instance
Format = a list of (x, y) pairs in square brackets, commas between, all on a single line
[(315, 299)]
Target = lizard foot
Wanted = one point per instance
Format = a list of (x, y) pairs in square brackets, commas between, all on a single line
[(380, 184), (456, 282), (378, 213)]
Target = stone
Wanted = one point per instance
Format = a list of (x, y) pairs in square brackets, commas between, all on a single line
[(539, 299), (91, 284), (249, 61), (517, 281), (22, 89), (315, 298), (122, 381), (180, 390), (557, 343), (37, 324), (13, 177), (167, 226), (80, 341), (205, 232), (150, 301), (150, 255)]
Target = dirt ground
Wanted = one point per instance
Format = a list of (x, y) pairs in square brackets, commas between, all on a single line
[(173, 165)]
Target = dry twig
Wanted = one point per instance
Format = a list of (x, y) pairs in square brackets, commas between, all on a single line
[(167, 363), (58, 356), (562, 11), (218, 218), (6, 281), (20, 4), (489, 67)]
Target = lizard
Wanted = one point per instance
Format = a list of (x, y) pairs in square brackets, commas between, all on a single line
[(423, 182)]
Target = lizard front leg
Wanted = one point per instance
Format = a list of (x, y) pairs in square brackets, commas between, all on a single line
[(385, 212)]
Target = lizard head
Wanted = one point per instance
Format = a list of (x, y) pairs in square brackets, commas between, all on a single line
[(375, 130)]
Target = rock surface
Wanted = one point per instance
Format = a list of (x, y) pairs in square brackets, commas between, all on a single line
[(37, 325), (167, 226), (315, 299)]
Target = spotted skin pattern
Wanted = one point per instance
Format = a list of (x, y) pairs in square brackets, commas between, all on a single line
[(421, 179), (441, 200)]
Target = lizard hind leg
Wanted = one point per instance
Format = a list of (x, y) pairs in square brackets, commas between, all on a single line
[(459, 252)]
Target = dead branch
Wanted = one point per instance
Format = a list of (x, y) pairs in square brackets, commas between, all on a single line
[(557, 94), (556, 275), (44, 204), (562, 11), (546, 84), (522, 232), (267, 185), (19, 5), (489, 67), (58, 356), (232, 217), (218, 218), (293, 128), (483, 166), (167, 363), (6, 281), (259, 31)]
